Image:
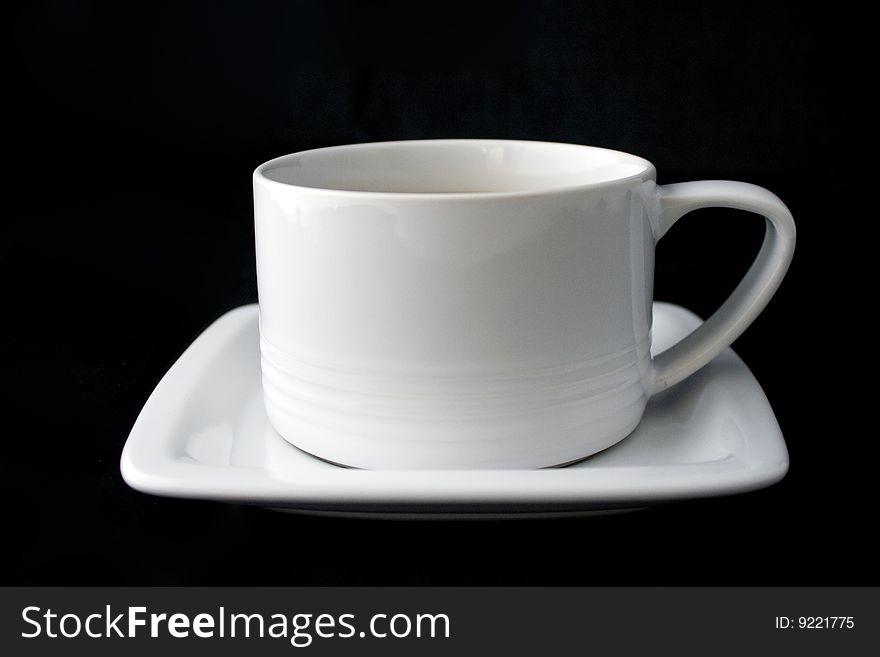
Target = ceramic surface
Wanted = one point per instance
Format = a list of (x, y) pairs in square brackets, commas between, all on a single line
[(204, 434), (476, 303)]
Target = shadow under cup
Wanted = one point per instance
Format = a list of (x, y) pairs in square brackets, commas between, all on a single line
[(455, 304)]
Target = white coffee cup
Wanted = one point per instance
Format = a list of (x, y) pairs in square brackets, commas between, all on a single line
[(477, 303)]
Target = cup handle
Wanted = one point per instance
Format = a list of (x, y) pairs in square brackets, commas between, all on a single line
[(753, 292)]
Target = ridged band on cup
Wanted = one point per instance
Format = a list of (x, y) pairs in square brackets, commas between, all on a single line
[(384, 419)]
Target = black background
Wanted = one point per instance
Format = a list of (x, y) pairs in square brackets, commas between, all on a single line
[(130, 135)]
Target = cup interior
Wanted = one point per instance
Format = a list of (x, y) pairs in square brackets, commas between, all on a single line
[(458, 166)]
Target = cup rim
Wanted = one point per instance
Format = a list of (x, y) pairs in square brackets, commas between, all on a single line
[(647, 172)]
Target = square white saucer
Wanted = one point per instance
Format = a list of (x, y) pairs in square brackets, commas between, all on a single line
[(204, 434)]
